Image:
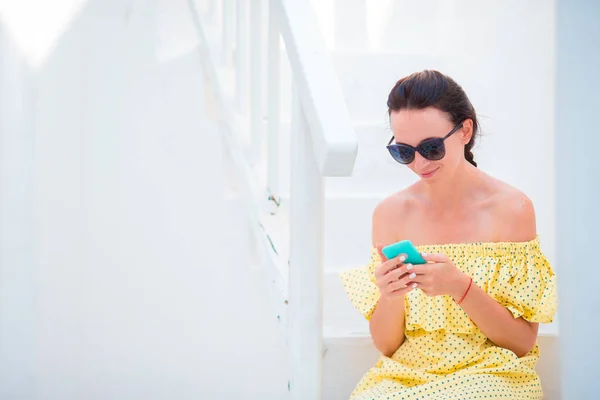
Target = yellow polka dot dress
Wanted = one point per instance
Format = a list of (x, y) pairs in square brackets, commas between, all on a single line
[(445, 355)]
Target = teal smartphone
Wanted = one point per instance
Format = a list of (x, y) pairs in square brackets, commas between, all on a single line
[(404, 247)]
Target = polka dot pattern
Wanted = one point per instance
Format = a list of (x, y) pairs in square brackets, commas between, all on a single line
[(444, 354)]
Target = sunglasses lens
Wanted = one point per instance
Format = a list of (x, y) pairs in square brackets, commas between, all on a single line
[(433, 149), (402, 154)]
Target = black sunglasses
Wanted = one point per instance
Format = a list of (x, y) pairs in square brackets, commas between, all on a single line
[(431, 149)]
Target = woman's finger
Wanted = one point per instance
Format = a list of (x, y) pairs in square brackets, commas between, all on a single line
[(435, 257), (379, 250), (392, 277), (420, 269), (403, 291), (397, 273), (419, 278), (400, 284), (404, 281), (389, 265)]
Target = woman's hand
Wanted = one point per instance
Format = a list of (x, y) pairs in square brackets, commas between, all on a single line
[(392, 276), (440, 276)]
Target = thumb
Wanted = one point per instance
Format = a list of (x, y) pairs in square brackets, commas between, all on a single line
[(379, 246), (435, 257)]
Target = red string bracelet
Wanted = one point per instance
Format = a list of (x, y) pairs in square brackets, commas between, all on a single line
[(466, 291)]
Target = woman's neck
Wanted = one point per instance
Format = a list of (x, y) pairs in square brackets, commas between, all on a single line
[(451, 193)]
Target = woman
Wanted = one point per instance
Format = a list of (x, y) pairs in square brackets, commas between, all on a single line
[(464, 325)]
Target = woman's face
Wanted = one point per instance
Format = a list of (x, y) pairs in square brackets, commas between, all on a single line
[(413, 126)]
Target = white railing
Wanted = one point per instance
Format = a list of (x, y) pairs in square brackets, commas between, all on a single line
[(323, 142)]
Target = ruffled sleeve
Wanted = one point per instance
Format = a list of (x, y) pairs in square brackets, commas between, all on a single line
[(360, 287), (524, 282)]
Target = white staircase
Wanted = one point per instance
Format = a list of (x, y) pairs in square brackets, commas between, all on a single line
[(366, 70)]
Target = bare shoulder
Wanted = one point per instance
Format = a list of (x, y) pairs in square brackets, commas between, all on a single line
[(389, 213), (515, 212)]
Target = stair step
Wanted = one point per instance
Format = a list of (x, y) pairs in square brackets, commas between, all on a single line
[(348, 217), (356, 338), (365, 78), (350, 338)]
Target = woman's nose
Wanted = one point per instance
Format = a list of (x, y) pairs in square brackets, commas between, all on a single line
[(420, 162)]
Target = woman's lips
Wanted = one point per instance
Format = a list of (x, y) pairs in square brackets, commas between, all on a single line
[(429, 174)]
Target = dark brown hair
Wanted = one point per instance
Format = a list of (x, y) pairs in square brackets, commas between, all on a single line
[(433, 89)]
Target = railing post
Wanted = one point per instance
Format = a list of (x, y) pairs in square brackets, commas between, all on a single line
[(255, 77), (306, 262), (273, 104)]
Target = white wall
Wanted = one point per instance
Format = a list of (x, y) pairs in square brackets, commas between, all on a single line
[(133, 281), (578, 167), (17, 271)]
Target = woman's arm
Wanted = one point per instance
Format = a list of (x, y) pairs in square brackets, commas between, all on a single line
[(387, 321), (387, 325), (495, 321)]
